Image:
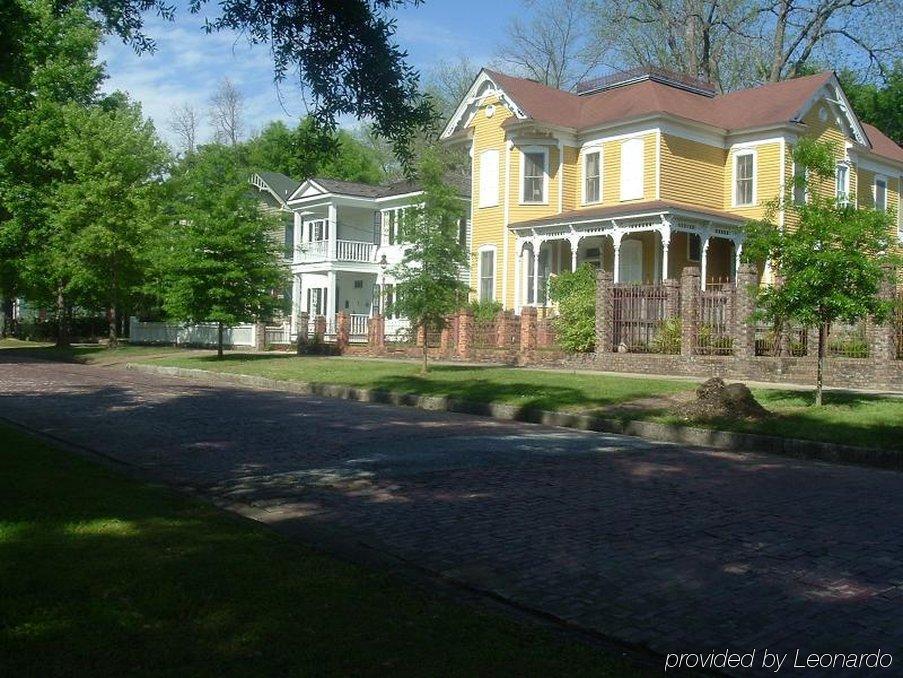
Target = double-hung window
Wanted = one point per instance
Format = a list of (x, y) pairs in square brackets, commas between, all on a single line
[(592, 177), (799, 184), (744, 178), (534, 184), (881, 194), (487, 274), (842, 183)]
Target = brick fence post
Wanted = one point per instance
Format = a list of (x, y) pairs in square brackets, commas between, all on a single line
[(342, 329), (881, 340), (320, 329), (445, 341), (604, 310), (301, 335), (689, 308), (672, 297), (260, 336), (743, 332), (465, 333), (527, 334), (376, 333), (501, 329)]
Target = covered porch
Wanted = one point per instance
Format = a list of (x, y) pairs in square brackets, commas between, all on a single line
[(643, 247)]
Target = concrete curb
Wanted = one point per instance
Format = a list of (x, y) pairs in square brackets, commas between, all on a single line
[(669, 433)]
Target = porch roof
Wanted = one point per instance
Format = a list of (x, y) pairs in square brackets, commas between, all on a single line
[(632, 210)]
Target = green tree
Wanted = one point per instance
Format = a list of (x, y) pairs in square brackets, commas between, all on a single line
[(217, 261), (99, 213), (575, 294), (429, 276), (878, 104), (50, 68), (343, 53), (305, 152), (831, 264)]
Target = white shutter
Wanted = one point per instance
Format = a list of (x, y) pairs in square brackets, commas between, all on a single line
[(632, 169), (489, 178)]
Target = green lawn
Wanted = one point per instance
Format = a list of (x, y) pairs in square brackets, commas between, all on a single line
[(87, 353), (526, 388), (869, 421), (106, 576)]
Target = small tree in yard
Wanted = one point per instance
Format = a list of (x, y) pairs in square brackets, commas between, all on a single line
[(575, 294), (218, 261), (429, 275), (832, 262)]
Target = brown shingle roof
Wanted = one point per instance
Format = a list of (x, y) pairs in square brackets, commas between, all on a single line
[(769, 104), (615, 211), (882, 144)]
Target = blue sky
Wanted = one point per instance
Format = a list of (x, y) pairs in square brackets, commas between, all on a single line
[(188, 63)]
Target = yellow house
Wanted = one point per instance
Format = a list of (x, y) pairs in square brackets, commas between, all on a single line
[(643, 173)]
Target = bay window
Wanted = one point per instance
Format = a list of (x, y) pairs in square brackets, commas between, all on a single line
[(592, 177), (744, 178), (534, 177)]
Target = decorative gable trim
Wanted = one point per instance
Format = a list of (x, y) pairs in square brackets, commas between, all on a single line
[(308, 189), (258, 183), (483, 87), (833, 93)]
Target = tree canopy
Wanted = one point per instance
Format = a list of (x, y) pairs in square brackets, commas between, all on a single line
[(343, 54)]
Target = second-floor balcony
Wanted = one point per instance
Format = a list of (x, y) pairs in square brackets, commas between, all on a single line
[(336, 250)]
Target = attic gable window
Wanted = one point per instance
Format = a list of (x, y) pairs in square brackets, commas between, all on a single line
[(592, 177), (534, 173), (744, 178)]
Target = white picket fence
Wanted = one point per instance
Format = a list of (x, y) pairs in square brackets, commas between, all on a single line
[(202, 334)]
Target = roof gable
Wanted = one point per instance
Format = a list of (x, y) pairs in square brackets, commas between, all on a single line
[(280, 186)]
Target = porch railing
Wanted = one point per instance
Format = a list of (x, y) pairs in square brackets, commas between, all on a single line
[(358, 325), (345, 250)]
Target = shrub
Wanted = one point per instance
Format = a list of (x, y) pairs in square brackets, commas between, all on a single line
[(484, 311), (575, 294), (668, 338)]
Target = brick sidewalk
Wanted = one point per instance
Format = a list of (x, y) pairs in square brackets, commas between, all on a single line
[(676, 550)]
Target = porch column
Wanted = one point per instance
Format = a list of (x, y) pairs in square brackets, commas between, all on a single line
[(703, 260), (331, 302), (298, 236), (333, 226), (575, 244), (616, 242), (296, 302), (738, 251), (536, 245), (665, 232)]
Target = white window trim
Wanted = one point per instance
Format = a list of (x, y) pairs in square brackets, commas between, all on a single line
[(845, 200), (883, 178), (485, 199), (545, 174), (482, 249), (586, 154), (642, 185), (755, 172)]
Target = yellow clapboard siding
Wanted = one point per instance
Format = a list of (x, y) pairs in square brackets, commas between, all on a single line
[(692, 172), (572, 178), (488, 222)]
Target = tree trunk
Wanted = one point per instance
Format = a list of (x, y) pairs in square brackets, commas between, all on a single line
[(424, 368), (219, 340), (62, 319), (114, 328), (820, 370)]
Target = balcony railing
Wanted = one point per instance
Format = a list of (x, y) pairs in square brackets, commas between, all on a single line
[(337, 250)]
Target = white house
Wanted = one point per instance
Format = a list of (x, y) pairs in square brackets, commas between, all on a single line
[(343, 239)]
